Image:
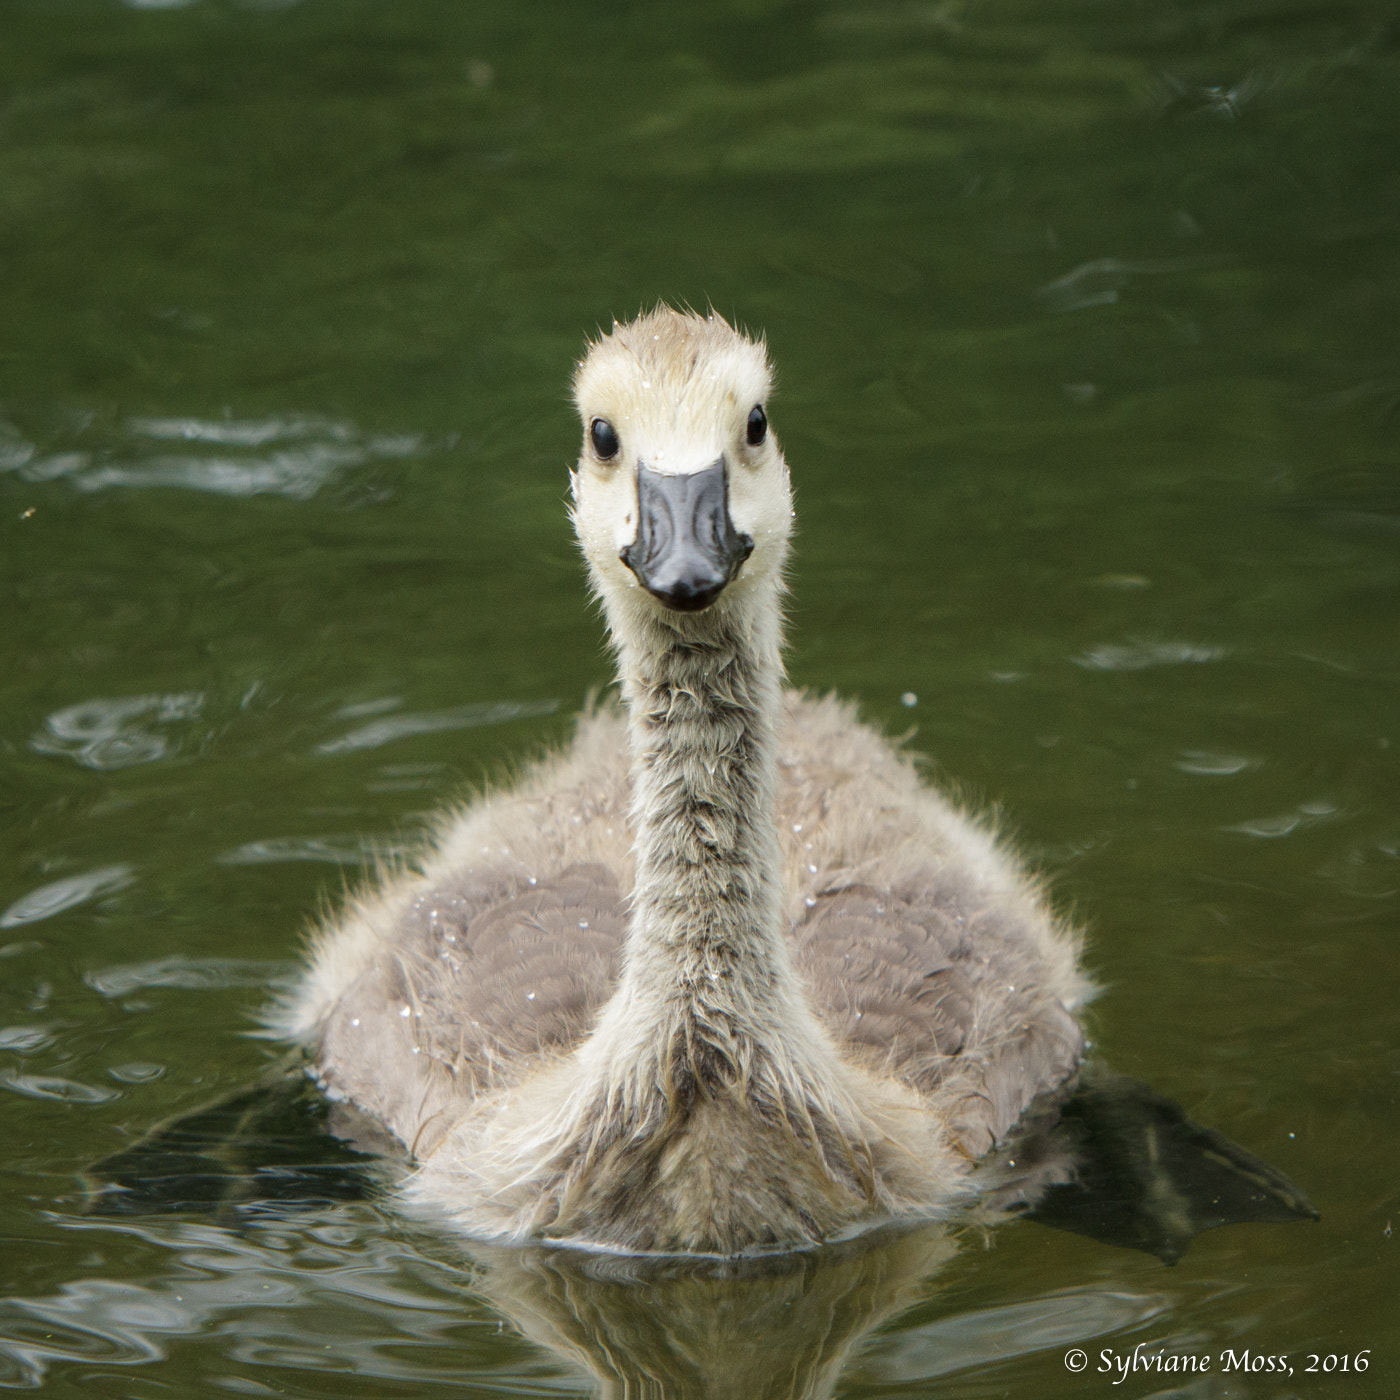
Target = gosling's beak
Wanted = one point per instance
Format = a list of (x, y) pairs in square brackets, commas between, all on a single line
[(687, 548)]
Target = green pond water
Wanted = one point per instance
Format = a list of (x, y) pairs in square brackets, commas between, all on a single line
[(1085, 318)]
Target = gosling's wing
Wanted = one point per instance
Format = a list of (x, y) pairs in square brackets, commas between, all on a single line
[(943, 989), (483, 974), (519, 972)]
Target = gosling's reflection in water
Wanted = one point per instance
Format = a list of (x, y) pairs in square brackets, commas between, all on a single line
[(711, 1329), (1114, 1161)]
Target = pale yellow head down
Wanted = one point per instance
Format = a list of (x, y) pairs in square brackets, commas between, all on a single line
[(679, 392)]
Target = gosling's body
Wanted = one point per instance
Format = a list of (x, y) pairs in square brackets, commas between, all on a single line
[(723, 975)]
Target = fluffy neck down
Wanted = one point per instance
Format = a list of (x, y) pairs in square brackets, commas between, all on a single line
[(706, 960)]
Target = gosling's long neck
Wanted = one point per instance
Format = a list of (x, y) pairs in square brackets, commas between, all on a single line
[(705, 955)]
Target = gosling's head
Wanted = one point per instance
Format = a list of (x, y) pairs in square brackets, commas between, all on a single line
[(681, 496)]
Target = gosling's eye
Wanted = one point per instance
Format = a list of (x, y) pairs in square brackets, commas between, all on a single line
[(758, 425), (603, 436)]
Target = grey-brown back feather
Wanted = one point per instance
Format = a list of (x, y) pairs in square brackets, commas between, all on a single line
[(945, 992), (518, 970), (487, 973)]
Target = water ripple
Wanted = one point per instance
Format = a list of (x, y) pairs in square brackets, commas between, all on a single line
[(991, 1335), (1203, 763), (1286, 823), (299, 473), (23, 1039), (104, 733), (93, 1320), (276, 1296), (52, 1086), (386, 731), (293, 456), (51, 899), (320, 848), (188, 974), (137, 1072), (1100, 281), (15, 452), (1138, 656)]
